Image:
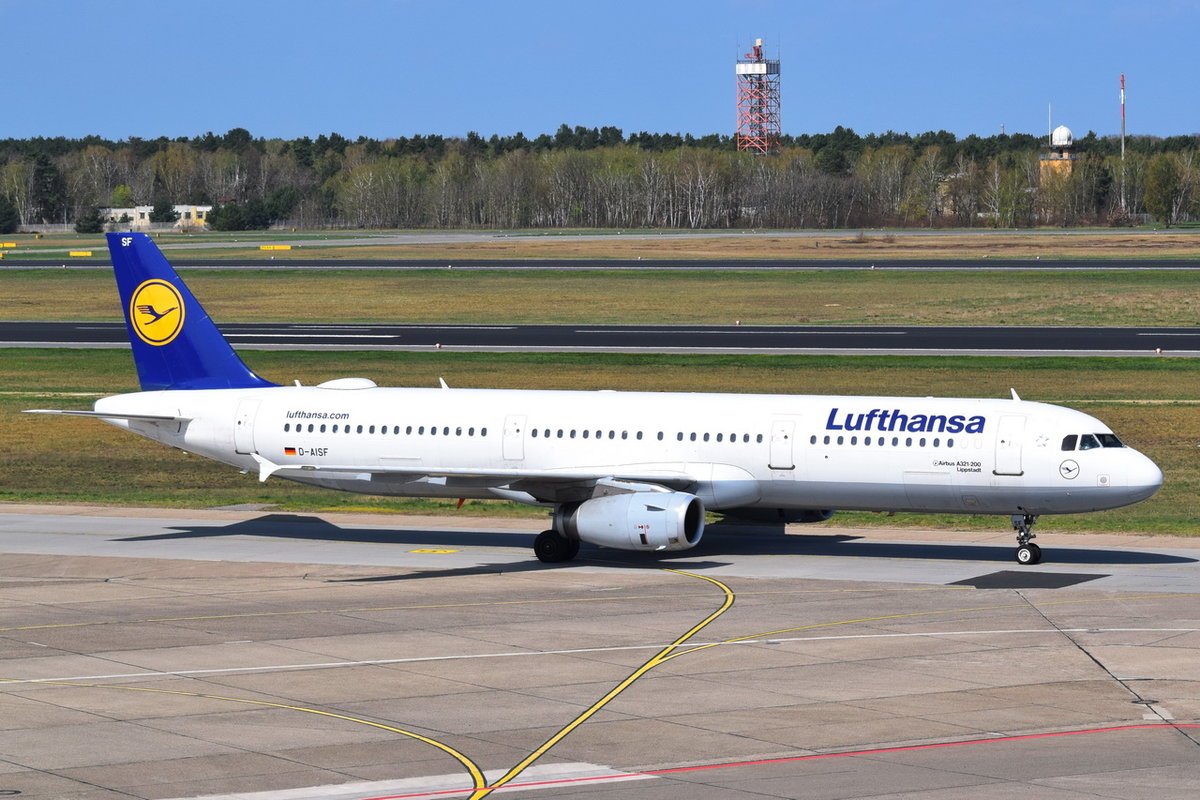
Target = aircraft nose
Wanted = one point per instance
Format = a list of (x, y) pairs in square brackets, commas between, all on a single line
[(1143, 478)]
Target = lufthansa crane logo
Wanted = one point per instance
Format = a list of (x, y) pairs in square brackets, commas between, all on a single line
[(156, 312)]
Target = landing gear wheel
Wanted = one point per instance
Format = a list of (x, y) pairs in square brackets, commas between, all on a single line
[(1029, 554), (1027, 551), (553, 548)]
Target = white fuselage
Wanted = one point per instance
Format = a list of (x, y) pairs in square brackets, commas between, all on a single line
[(734, 451)]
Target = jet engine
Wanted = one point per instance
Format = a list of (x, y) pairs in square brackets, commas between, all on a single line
[(635, 521)]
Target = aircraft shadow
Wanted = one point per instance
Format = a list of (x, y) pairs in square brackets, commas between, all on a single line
[(720, 541)]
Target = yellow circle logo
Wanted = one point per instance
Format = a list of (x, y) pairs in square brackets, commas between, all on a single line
[(156, 312)]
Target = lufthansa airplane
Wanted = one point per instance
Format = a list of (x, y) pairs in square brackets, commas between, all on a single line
[(627, 470)]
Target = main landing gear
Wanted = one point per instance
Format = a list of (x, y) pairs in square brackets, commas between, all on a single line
[(1027, 551), (551, 547)]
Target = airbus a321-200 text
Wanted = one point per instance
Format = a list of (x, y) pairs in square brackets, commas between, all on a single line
[(626, 470)]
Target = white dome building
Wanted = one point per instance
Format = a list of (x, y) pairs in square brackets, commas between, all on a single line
[(1061, 137), (1061, 157)]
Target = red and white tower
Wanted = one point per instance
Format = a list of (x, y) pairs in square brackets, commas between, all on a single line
[(757, 102)]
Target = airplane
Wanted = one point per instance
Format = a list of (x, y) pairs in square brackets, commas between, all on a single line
[(626, 470)]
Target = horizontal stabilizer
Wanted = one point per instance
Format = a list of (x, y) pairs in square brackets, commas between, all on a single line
[(110, 415)]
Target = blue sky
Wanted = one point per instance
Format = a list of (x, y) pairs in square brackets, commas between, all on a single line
[(385, 68)]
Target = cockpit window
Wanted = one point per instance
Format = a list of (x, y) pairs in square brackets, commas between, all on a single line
[(1109, 440), (1069, 442), (1088, 442)]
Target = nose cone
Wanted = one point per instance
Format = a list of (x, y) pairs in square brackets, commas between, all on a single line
[(1143, 478)]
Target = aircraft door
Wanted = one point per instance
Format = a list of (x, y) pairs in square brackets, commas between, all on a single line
[(514, 437), (1008, 446), (783, 433), (243, 426)]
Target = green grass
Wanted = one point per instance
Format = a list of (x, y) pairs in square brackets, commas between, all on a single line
[(625, 297), (1154, 404)]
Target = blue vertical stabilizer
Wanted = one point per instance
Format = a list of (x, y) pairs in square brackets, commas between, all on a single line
[(175, 343)]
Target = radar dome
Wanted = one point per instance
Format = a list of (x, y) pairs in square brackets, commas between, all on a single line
[(1061, 137)]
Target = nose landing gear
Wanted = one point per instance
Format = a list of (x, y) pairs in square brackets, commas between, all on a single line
[(1027, 551)]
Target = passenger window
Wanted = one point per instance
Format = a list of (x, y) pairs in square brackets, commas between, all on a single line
[(660, 436), (1069, 441), (335, 428), (322, 427), (853, 440), (639, 436), (841, 439), (432, 431), (827, 439), (408, 430), (483, 431), (1088, 442), (421, 430), (446, 431), (719, 435), (586, 433), (706, 437), (310, 427), (395, 430), (287, 426), (533, 433), (760, 438), (371, 429), (812, 439), (458, 431), (560, 433)]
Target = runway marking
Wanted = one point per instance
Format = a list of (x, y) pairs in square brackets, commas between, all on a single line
[(763, 639), (624, 776), (750, 330), (816, 625), (471, 767), (235, 335), (613, 693), (432, 606)]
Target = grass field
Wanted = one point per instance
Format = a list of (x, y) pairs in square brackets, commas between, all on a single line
[(1105, 244), (669, 297), (1154, 404)]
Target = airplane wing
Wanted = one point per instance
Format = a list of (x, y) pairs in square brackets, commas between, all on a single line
[(550, 485)]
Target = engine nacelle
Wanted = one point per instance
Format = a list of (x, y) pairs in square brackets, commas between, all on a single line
[(776, 515), (635, 521)]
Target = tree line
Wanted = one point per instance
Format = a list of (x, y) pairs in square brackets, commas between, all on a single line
[(601, 177)]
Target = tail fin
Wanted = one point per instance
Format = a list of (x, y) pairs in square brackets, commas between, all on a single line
[(175, 343)]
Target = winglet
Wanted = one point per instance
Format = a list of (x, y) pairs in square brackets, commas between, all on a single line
[(175, 343)]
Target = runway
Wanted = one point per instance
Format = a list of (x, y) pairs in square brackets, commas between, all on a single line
[(716, 339), (978, 264), (239, 653)]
